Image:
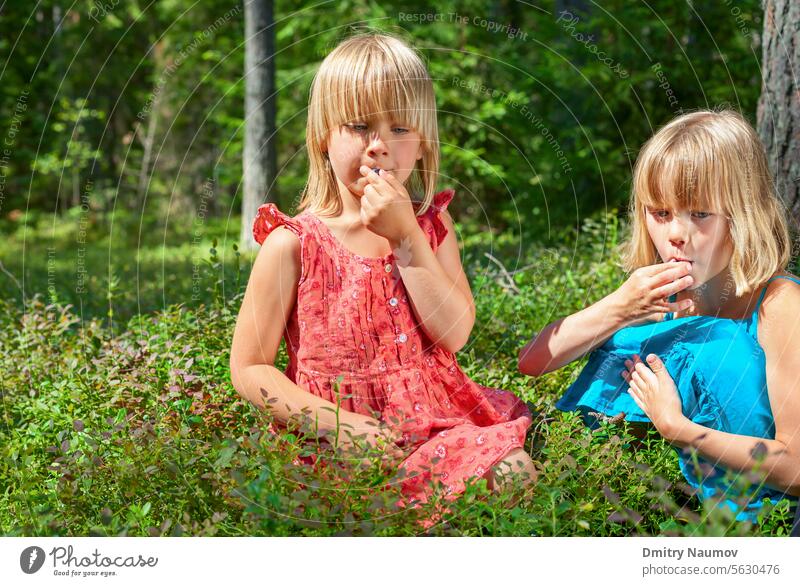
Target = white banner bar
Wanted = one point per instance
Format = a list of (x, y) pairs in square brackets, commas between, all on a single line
[(401, 561)]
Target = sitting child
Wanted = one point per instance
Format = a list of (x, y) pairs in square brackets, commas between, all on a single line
[(710, 307)]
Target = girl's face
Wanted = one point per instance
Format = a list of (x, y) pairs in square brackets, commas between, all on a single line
[(380, 142), (697, 236)]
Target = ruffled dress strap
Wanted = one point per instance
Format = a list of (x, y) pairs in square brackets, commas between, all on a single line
[(435, 226), (269, 217)]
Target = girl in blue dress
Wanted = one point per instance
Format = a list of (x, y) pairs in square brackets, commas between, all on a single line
[(703, 339)]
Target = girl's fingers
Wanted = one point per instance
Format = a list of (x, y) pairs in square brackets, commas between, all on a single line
[(663, 267), (374, 180), (374, 177), (635, 396), (682, 305), (368, 172), (647, 375), (673, 287), (629, 366), (380, 187), (384, 181), (662, 306), (670, 271), (370, 191), (391, 179)]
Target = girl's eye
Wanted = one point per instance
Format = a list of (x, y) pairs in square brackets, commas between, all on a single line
[(660, 214), (357, 127), (701, 215), (400, 130)]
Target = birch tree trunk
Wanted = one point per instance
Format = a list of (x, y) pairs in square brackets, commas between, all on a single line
[(260, 161)]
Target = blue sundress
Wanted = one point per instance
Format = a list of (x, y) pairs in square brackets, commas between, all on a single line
[(719, 369)]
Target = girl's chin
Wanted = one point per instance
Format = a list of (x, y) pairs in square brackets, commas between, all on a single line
[(697, 283)]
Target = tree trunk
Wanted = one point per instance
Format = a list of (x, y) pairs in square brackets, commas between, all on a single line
[(260, 162), (147, 142), (779, 105)]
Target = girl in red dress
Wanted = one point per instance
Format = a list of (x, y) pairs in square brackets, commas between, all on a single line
[(367, 288)]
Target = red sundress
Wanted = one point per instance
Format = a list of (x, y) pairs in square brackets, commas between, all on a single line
[(353, 320)]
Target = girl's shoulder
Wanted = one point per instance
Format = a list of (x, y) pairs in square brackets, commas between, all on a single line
[(781, 288), (779, 310)]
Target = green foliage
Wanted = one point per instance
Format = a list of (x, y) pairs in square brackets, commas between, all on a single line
[(541, 112), (139, 431), (120, 281), (122, 266)]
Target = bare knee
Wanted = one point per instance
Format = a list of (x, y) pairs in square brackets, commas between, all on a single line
[(516, 467)]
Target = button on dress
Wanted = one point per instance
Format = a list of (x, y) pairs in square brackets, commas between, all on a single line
[(353, 322)]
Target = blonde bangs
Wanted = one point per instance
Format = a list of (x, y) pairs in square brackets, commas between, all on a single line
[(370, 84), (366, 77), (712, 161), (680, 179)]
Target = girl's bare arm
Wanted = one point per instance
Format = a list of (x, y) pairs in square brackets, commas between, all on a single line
[(268, 302), (639, 299), (779, 335), (437, 287), (569, 338)]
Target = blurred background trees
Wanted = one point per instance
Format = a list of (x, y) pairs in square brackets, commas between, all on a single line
[(542, 108), (129, 117)]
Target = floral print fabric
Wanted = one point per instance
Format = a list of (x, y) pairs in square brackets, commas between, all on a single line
[(353, 322)]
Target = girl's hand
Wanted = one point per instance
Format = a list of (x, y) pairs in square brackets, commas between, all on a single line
[(386, 207), (653, 389), (643, 297), (378, 436)]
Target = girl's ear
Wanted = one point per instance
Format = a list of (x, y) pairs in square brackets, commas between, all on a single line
[(420, 152)]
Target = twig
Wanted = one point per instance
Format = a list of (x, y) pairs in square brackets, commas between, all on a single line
[(602, 417), (10, 276), (511, 284)]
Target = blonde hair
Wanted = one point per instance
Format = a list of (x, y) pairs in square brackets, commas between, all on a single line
[(712, 160), (369, 75)]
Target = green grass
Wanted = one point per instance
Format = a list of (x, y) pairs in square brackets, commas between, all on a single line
[(119, 417), (121, 268)]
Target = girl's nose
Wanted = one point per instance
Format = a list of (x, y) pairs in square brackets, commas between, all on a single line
[(377, 147), (678, 231)]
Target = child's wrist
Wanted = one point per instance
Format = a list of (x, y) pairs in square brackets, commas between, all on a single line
[(616, 311), (354, 422), (674, 431), (405, 240)]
